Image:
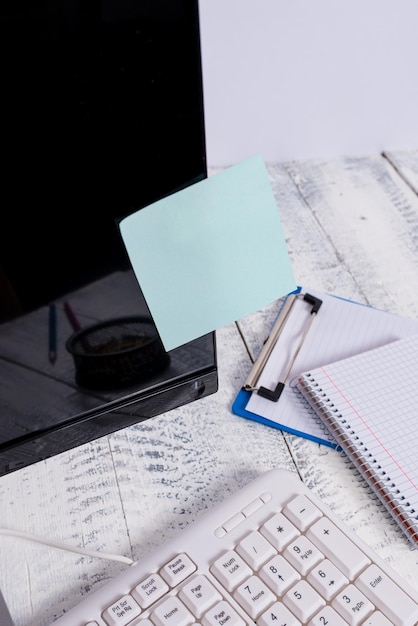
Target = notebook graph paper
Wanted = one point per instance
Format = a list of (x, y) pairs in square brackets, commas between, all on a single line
[(369, 404)]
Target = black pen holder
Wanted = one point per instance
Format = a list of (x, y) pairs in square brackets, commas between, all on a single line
[(117, 353)]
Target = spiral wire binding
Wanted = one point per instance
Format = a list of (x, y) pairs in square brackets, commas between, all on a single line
[(311, 412), (385, 492)]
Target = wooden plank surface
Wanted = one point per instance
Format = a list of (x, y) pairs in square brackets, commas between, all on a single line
[(351, 227), (370, 216), (406, 164)]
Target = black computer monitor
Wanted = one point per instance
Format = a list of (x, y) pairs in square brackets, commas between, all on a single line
[(102, 114)]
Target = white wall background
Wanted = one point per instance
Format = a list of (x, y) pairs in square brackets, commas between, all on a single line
[(296, 79)]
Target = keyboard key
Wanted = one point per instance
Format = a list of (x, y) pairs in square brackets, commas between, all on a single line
[(278, 615), (302, 554), (279, 531), (352, 605), (254, 597), (349, 559), (302, 512), (221, 614), (255, 550), (377, 619), (149, 590), (303, 601), (172, 612), (177, 569), (122, 611), (199, 595), (327, 579), (279, 575), (388, 596), (231, 570), (327, 616)]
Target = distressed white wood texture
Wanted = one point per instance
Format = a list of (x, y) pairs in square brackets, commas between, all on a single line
[(351, 226), (407, 165)]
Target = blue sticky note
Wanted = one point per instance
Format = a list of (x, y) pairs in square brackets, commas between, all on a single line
[(210, 254)]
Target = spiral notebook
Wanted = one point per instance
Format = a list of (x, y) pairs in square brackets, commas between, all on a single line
[(369, 405)]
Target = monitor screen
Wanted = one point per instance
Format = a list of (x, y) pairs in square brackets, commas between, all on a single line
[(102, 114)]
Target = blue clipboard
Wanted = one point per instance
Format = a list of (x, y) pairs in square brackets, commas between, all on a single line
[(341, 328), (239, 408)]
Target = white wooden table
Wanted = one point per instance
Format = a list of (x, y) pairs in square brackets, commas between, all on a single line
[(351, 226)]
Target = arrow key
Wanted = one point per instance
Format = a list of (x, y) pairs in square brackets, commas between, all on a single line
[(327, 579)]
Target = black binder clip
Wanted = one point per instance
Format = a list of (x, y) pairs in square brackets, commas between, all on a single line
[(275, 394)]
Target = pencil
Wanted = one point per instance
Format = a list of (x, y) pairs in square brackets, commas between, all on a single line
[(72, 317), (52, 326)]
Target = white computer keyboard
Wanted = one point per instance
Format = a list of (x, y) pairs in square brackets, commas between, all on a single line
[(272, 554)]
